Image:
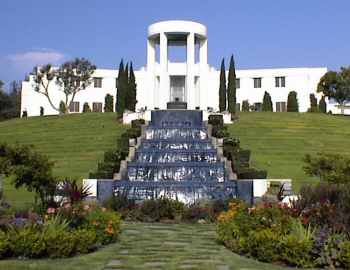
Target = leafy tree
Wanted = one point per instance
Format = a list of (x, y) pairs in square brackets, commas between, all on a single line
[(86, 108), (231, 87), (267, 103), (108, 103), (72, 77), (313, 103), (10, 103), (336, 85), (292, 103), (132, 91), (332, 168), (28, 169), (322, 106), (222, 88), (245, 106)]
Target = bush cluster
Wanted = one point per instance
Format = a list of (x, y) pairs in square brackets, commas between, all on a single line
[(62, 232), (112, 158), (166, 210), (304, 234)]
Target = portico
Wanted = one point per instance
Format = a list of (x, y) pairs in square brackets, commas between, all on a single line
[(174, 80)]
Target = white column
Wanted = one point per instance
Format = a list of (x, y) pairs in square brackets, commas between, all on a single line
[(163, 96), (151, 59), (204, 73), (191, 95)]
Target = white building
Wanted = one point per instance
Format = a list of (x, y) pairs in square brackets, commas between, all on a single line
[(191, 79)]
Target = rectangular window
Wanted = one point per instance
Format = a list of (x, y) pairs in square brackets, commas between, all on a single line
[(281, 107), (258, 107), (97, 107), (74, 106), (280, 81), (97, 82), (257, 82), (238, 83)]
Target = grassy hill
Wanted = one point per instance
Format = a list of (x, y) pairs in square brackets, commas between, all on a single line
[(74, 142), (278, 141)]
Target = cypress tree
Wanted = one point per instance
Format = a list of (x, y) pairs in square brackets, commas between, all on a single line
[(222, 89), (126, 96), (132, 90), (108, 103), (292, 103), (267, 103), (322, 106), (231, 87), (119, 99), (313, 103)]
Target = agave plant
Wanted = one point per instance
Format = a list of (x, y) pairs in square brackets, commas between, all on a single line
[(74, 192)]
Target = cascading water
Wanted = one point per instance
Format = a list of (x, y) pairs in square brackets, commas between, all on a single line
[(176, 159)]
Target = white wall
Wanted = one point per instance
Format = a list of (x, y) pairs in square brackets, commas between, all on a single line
[(302, 80)]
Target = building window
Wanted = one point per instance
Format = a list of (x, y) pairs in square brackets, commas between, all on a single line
[(280, 81), (281, 107), (238, 83), (97, 107), (257, 82), (258, 107), (74, 106), (97, 82)]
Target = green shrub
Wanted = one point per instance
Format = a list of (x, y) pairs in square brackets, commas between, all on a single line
[(264, 245), (344, 255), (162, 208), (4, 244), (60, 244), (85, 241), (216, 120), (137, 123), (104, 222), (27, 242), (251, 173), (86, 108)]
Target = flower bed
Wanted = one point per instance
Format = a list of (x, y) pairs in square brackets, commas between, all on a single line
[(276, 233), (61, 232)]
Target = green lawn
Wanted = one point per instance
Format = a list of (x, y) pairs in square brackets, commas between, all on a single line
[(74, 142), (279, 141), (153, 246)]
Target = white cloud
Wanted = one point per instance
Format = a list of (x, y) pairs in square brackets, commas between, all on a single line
[(25, 61)]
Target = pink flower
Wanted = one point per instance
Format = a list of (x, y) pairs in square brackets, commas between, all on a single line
[(67, 205), (51, 210), (86, 207)]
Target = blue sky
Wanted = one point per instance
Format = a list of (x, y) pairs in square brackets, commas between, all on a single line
[(261, 33)]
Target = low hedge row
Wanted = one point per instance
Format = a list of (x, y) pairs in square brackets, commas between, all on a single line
[(166, 210), (112, 158), (240, 158)]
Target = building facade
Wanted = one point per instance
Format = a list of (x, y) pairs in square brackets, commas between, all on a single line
[(190, 79)]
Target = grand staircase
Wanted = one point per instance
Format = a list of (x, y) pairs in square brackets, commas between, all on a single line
[(175, 158)]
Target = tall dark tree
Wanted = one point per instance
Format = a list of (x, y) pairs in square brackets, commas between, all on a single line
[(222, 88), (245, 106), (313, 103), (126, 87), (267, 103), (322, 106), (231, 87), (292, 103), (120, 101), (336, 85), (132, 90)]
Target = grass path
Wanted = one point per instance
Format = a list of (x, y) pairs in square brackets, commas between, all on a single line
[(153, 246)]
